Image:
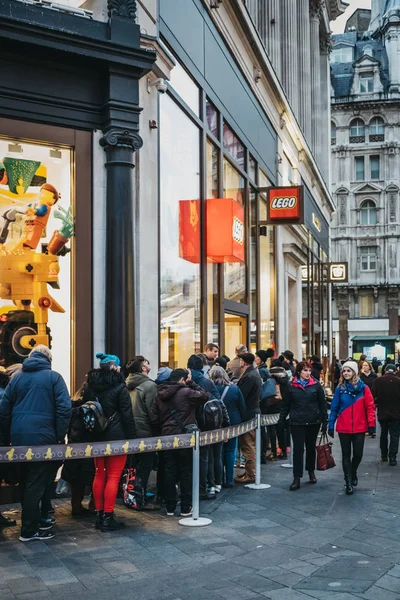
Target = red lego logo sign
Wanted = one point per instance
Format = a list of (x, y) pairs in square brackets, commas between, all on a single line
[(285, 205)]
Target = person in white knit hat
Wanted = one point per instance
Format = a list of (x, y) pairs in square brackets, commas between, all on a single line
[(353, 411)]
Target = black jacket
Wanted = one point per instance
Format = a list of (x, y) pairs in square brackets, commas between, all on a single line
[(368, 379), (175, 406), (316, 370), (386, 391), (281, 378), (250, 385), (108, 387), (305, 405)]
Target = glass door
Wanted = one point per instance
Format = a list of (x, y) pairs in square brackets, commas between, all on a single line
[(235, 332)]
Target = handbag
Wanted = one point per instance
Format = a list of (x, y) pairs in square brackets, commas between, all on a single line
[(325, 459)]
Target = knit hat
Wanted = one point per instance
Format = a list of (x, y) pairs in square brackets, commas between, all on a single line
[(220, 361), (163, 374), (288, 354), (351, 364), (108, 360), (390, 367), (262, 355)]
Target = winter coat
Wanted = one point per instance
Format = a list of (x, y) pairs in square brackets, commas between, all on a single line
[(281, 378), (305, 405), (250, 385), (142, 391), (36, 407), (352, 409), (316, 370), (173, 396), (234, 367), (205, 383), (368, 379), (2, 466), (108, 387), (80, 471), (234, 402), (263, 370), (386, 391)]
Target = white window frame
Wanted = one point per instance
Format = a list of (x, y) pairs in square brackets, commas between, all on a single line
[(377, 127), (368, 212), (369, 78), (370, 306), (368, 258), (342, 55)]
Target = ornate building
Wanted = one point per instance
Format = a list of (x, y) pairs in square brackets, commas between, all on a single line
[(365, 139)]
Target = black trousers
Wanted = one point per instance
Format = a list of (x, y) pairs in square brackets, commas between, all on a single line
[(35, 483), (349, 441), (178, 467), (215, 464), (391, 428), (144, 465), (304, 435), (204, 481)]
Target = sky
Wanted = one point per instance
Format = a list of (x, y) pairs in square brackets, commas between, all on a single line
[(338, 25)]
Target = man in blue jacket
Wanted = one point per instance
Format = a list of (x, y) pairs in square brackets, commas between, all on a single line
[(35, 411)]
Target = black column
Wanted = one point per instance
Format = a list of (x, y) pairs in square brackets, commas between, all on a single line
[(119, 146)]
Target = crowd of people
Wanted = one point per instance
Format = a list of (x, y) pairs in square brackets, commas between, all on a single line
[(119, 402)]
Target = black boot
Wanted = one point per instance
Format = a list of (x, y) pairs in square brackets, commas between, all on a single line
[(312, 477), (349, 487), (6, 522), (110, 523), (263, 459), (392, 461), (99, 518), (296, 484), (354, 480)]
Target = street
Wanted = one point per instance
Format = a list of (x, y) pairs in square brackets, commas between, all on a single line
[(315, 542)]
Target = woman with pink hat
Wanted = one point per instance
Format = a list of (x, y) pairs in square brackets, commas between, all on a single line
[(353, 411)]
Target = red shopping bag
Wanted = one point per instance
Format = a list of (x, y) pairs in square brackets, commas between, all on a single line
[(325, 459)]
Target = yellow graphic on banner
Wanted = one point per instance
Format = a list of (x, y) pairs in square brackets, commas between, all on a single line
[(125, 447), (142, 446), (29, 454), (49, 454), (176, 442), (217, 436), (211, 438), (68, 452), (193, 441), (88, 450), (10, 454), (159, 445), (108, 450), (206, 439)]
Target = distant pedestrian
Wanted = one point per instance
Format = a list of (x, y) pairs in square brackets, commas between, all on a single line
[(261, 357), (317, 367), (211, 352), (386, 391), (250, 386), (163, 375), (233, 399), (107, 385), (288, 359), (367, 374), (35, 411), (234, 364), (173, 410), (376, 364), (353, 411), (306, 406)]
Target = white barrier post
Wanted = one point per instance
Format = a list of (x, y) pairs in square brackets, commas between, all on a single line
[(195, 520), (258, 485)]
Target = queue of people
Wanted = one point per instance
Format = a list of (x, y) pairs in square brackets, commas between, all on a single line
[(212, 392)]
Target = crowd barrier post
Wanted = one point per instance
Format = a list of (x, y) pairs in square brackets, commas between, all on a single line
[(195, 520), (258, 485)]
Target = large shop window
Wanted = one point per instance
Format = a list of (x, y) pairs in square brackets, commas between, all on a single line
[(179, 235), (235, 273), (267, 272), (35, 261), (213, 297)]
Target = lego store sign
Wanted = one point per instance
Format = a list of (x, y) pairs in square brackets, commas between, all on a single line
[(225, 234), (285, 205)]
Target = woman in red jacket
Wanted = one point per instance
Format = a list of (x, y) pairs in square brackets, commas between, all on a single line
[(353, 410)]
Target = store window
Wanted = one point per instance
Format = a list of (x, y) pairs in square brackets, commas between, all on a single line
[(234, 273), (368, 213), (366, 83), (38, 226), (213, 297), (375, 166), (266, 279), (185, 87), (179, 235), (367, 306), (233, 145), (359, 163), (253, 269), (212, 117), (368, 258)]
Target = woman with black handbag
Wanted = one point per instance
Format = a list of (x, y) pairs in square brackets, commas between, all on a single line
[(305, 404)]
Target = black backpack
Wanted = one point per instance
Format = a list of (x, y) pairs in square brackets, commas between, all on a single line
[(212, 414), (93, 417)]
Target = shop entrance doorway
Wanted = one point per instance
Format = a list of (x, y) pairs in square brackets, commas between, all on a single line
[(235, 332)]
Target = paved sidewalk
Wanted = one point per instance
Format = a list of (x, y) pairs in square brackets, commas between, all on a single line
[(312, 543)]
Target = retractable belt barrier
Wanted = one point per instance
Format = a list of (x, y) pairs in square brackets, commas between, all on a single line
[(61, 452)]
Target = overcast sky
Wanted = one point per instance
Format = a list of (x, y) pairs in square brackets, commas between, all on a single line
[(338, 25)]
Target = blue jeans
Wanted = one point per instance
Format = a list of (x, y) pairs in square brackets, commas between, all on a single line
[(229, 449)]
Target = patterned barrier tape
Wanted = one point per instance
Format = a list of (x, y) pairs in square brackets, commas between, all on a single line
[(62, 452)]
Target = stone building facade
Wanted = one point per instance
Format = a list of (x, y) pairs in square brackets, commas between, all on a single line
[(365, 139)]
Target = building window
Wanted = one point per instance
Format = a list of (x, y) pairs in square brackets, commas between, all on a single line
[(368, 51), (368, 258), (235, 273), (342, 55), (376, 130), (359, 168), (185, 87), (366, 83), (212, 118), (233, 145), (333, 133), (357, 131), (368, 213), (375, 166), (367, 306)]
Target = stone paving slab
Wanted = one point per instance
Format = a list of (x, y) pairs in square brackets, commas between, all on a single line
[(312, 543)]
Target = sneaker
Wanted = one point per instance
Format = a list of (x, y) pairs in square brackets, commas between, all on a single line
[(46, 524), (187, 513), (38, 536), (217, 488), (170, 514)]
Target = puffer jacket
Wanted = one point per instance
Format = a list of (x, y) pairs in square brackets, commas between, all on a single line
[(36, 407), (108, 387), (305, 405), (263, 370), (352, 409), (234, 402), (175, 406), (142, 391), (281, 378)]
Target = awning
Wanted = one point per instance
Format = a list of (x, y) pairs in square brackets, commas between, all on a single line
[(373, 338)]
